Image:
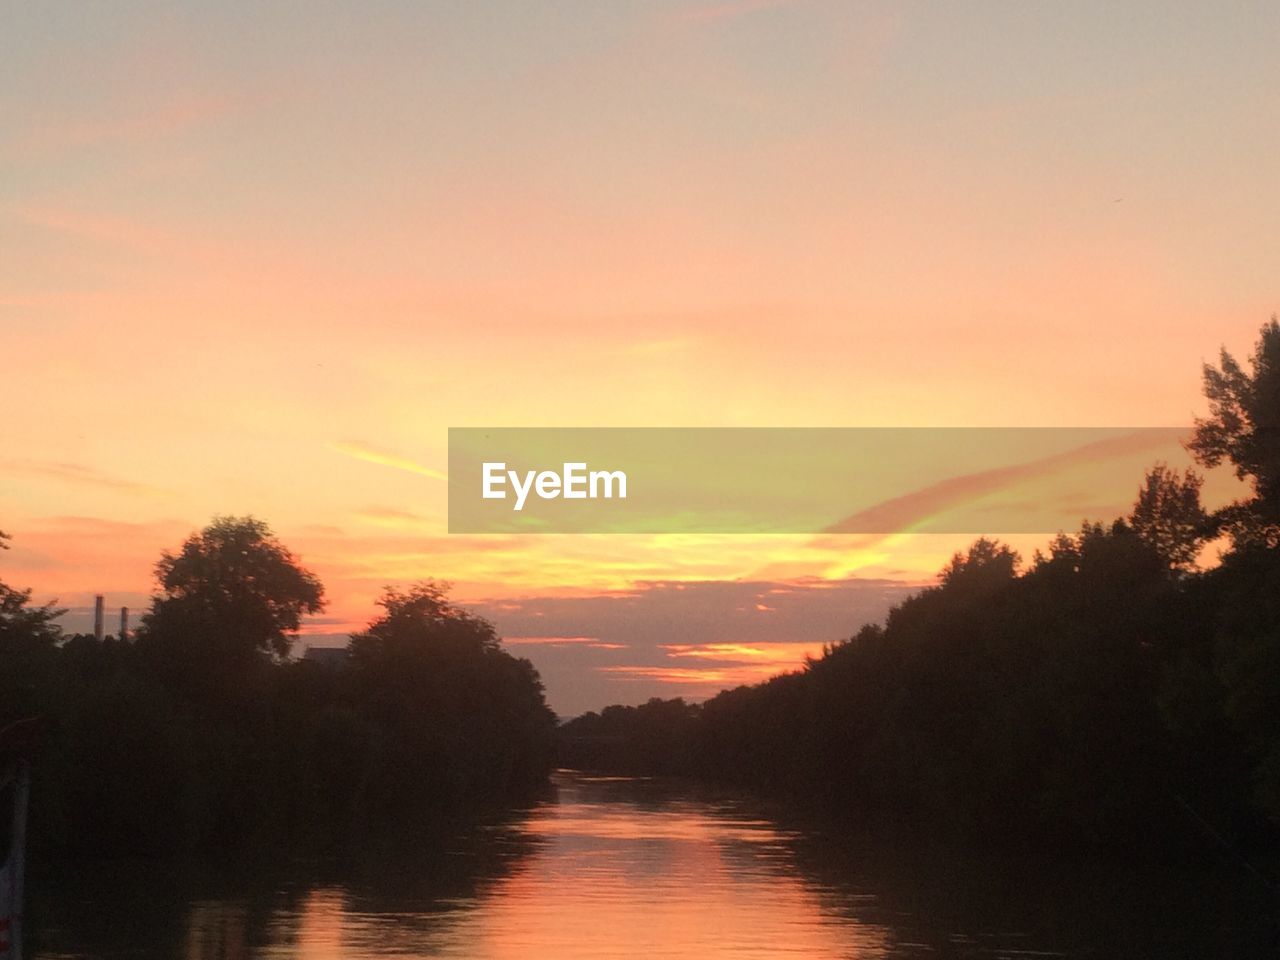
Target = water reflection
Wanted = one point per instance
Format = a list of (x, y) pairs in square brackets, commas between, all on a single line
[(628, 870), (621, 868)]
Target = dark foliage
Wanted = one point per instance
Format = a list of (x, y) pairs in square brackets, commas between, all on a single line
[(1099, 696), (199, 734), (652, 739), (1109, 694)]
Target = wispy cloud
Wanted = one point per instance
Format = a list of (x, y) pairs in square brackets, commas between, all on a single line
[(360, 451), (389, 513), (595, 643), (712, 679), (702, 636), (74, 473), (911, 512), (791, 654), (683, 675), (391, 518)]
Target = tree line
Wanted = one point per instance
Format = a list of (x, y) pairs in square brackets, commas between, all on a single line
[(1109, 691), (202, 733)]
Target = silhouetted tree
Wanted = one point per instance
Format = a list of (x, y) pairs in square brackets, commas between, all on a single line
[(233, 589), (1243, 428), (655, 738), (201, 734), (454, 714), (422, 621), (1093, 695), (28, 649), (986, 565), (1168, 516), (1243, 658), (19, 620)]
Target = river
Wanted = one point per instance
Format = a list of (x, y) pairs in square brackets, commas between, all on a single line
[(627, 868)]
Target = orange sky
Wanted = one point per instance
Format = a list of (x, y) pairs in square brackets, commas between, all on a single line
[(262, 266)]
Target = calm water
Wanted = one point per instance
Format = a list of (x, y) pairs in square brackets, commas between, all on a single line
[(613, 868)]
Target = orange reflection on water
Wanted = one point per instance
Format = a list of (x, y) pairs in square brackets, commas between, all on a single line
[(615, 873), (623, 877)]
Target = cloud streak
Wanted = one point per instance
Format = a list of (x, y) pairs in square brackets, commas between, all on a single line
[(629, 645), (360, 451), (912, 511), (74, 473)]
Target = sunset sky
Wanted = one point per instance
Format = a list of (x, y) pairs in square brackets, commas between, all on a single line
[(259, 258)]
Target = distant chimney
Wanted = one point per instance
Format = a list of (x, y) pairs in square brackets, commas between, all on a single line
[(124, 623), (98, 610)]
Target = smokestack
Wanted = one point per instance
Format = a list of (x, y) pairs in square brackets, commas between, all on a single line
[(124, 623), (98, 610)]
